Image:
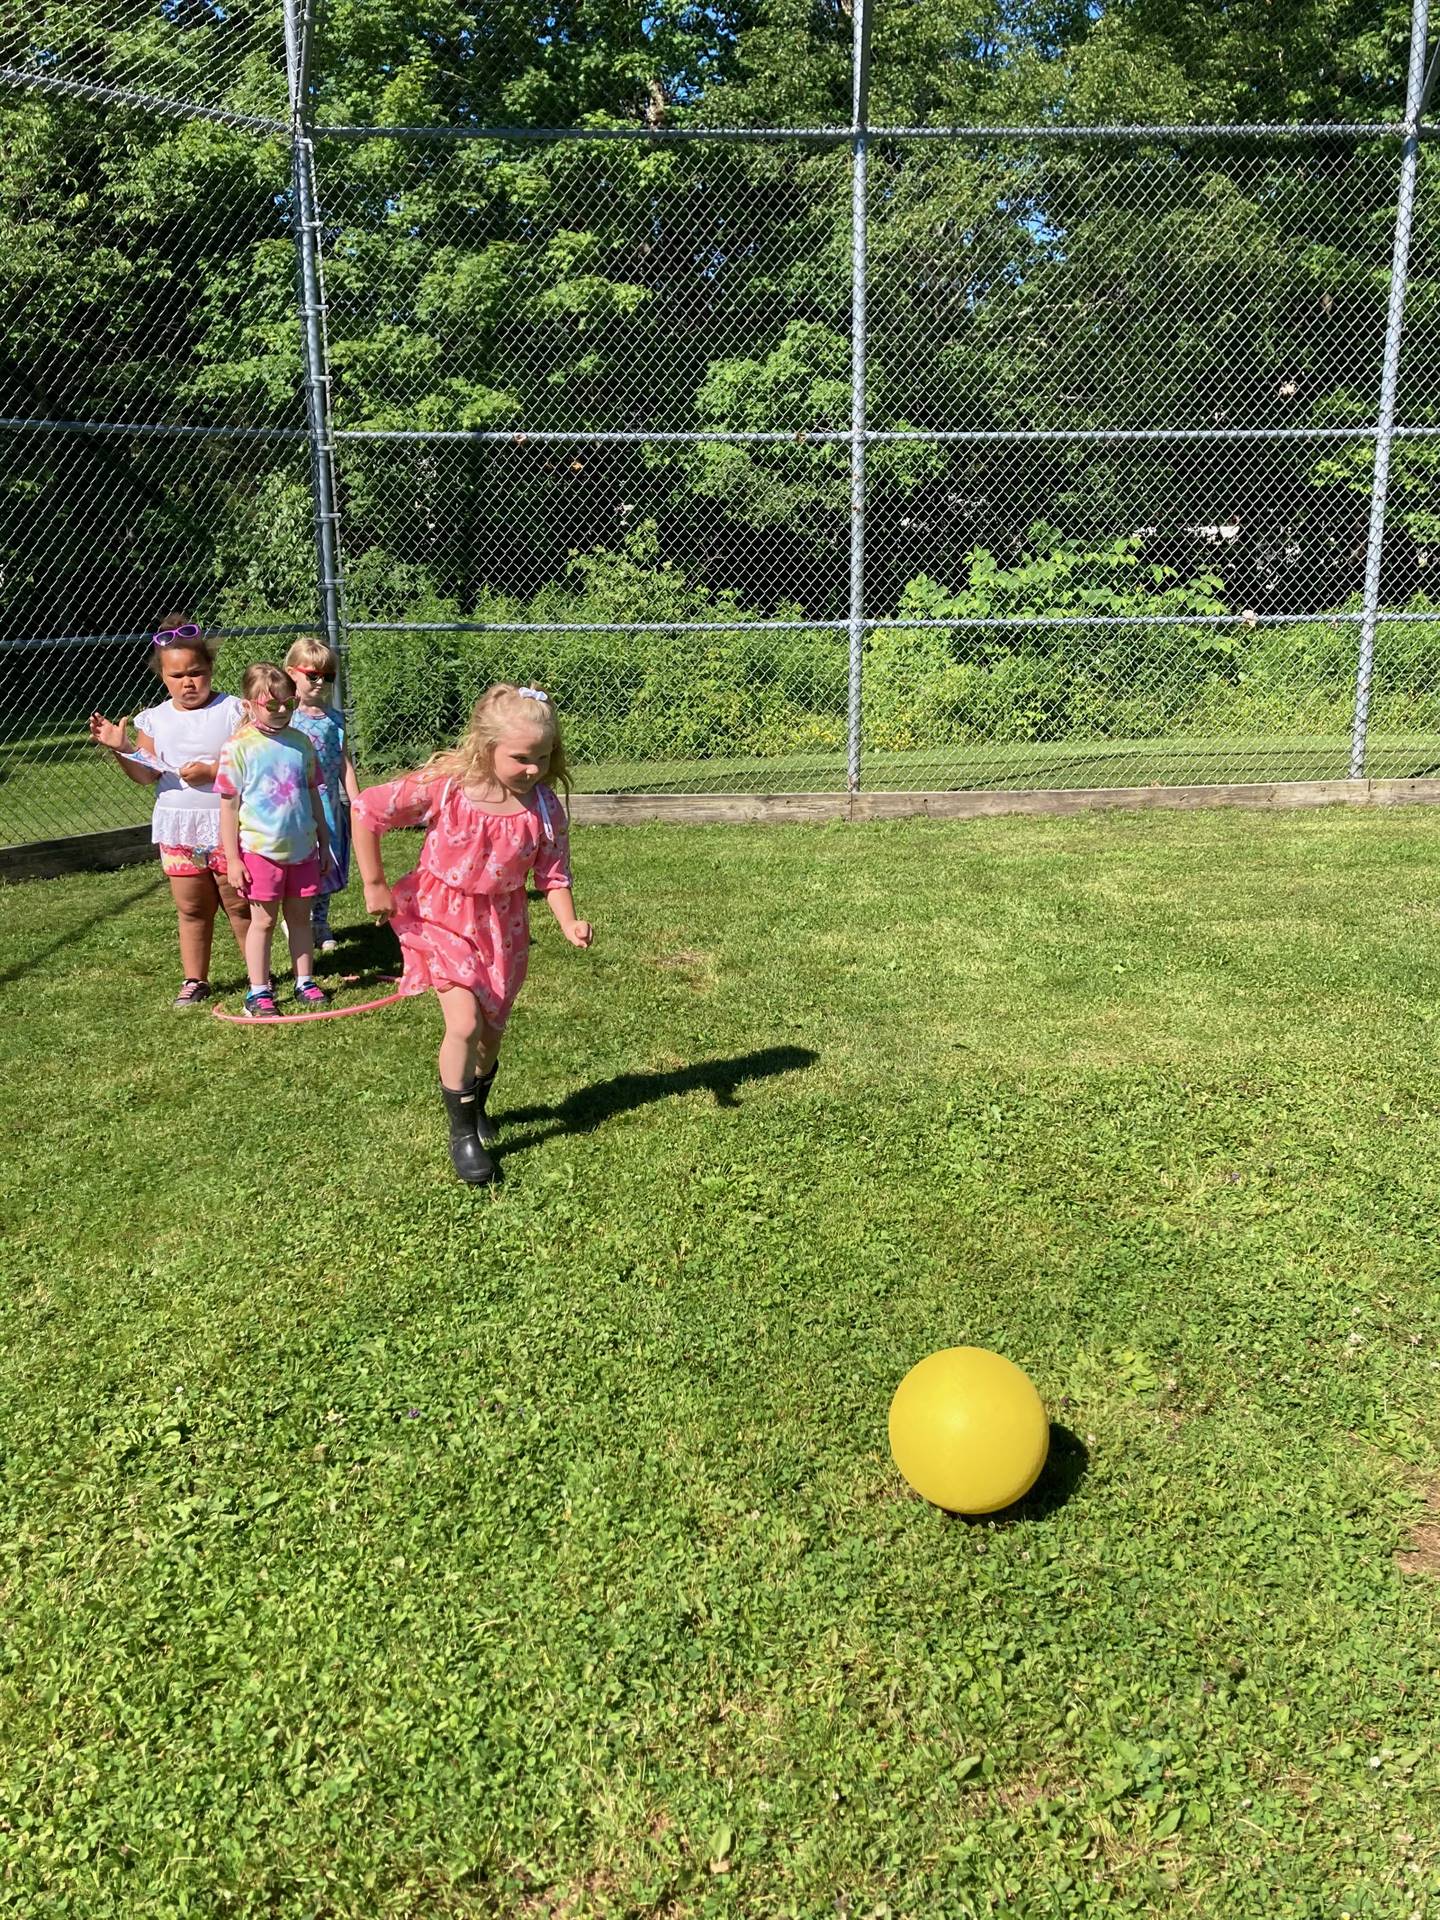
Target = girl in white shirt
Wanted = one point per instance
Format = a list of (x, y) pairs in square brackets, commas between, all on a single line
[(176, 747)]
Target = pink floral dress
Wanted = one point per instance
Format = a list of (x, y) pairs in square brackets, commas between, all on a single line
[(461, 915)]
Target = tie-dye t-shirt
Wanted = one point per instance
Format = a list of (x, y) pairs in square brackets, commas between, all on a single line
[(276, 777)]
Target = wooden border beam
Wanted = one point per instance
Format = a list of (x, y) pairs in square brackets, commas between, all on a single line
[(719, 809), (82, 853)]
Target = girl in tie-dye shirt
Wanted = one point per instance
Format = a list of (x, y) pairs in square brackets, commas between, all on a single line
[(273, 831)]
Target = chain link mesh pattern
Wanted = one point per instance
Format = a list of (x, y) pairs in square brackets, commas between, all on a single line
[(1113, 285), (556, 286), (581, 364), (160, 293), (606, 64), (103, 534), (153, 453), (190, 58)]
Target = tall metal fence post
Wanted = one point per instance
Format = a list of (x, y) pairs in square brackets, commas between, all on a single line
[(299, 22), (1389, 375), (859, 113)]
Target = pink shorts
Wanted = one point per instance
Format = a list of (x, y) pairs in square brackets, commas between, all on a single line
[(184, 863), (268, 880)]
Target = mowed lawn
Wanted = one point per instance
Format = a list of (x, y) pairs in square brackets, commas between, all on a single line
[(373, 1547)]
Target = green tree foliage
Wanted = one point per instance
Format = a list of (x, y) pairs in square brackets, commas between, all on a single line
[(529, 284)]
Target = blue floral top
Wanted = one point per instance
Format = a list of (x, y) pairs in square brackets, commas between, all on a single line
[(324, 728)]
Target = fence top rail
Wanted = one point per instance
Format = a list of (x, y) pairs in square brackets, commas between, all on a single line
[(43, 423), (1159, 130), (104, 92), (816, 436), (874, 622), (36, 643), (1242, 130)]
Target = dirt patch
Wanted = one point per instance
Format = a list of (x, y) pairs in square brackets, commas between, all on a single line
[(1017, 1796), (697, 970), (696, 967), (1421, 1553)]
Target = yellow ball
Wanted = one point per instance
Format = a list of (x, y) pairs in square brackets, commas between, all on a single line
[(968, 1430)]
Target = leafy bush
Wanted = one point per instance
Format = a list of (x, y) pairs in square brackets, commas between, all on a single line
[(947, 686), (745, 690), (648, 696)]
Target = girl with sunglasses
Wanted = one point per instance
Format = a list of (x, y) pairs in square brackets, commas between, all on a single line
[(273, 831), (175, 748), (313, 667)]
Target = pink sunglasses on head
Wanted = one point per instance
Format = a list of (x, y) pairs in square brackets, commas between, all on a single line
[(174, 633)]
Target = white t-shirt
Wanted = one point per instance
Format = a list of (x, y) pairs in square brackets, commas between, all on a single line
[(187, 816)]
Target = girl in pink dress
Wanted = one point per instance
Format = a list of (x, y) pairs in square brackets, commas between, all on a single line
[(489, 820)]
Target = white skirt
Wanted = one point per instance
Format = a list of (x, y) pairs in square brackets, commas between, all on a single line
[(186, 826)]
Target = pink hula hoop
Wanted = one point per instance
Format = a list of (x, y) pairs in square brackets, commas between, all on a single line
[(295, 1019)]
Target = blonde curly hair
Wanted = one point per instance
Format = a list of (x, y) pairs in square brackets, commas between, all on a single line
[(500, 710)]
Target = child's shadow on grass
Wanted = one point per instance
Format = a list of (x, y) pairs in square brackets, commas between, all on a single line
[(366, 947), (74, 935), (371, 953), (1065, 1467), (589, 1107)]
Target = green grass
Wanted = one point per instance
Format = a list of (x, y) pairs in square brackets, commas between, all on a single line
[(58, 785), (370, 1547), (1199, 761)]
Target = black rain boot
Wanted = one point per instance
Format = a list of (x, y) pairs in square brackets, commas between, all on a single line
[(486, 1131), (467, 1156)]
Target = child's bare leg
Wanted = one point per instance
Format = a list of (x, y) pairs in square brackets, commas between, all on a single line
[(258, 936), (464, 1033), (301, 937), (195, 900), (487, 1051), (236, 911), (316, 930), (464, 1036), (487, 1058)]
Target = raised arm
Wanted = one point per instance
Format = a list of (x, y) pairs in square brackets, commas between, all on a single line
[(114, 736)]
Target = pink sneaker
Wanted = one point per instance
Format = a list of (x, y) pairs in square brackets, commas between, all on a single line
[(311, 993)]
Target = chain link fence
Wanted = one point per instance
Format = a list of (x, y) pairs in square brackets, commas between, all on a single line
[(804, 420)]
